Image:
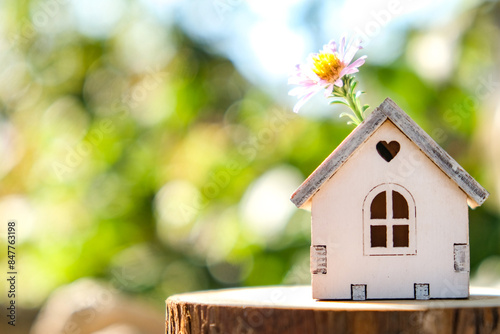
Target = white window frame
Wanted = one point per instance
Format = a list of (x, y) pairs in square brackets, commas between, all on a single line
[(389, 222)]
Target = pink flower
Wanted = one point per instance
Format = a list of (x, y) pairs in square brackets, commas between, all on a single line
[(324, 70)]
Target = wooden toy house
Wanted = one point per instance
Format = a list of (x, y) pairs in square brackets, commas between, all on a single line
[(389, 214)]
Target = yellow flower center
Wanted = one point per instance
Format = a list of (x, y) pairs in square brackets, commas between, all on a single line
[(327, 66)]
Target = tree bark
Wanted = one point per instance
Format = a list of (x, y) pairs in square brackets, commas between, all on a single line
[(290, 309)]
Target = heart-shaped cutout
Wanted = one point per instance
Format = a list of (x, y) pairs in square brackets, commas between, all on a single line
[(388, 150)]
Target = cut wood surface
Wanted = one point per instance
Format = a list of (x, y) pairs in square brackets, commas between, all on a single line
[(290, 309)]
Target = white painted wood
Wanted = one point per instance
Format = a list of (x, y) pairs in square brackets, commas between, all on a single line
[(319, 260), (303, 195), (476, 193), (389, 222), (358, 291), (462, 257), (422, 291), (441, 218)]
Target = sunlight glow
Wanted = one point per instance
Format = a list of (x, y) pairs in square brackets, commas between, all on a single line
[(266, 207)]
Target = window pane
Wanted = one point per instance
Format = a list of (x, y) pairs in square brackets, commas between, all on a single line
[(378, 236), (400, 235), (399, 206), (378, 207)]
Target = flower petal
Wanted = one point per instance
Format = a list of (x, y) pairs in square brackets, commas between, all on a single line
[(332, 46), (298, 91), (358, 62), (342, 47), (302, 91), (328, 90), (302, 101), (348, 70), (351, 50)]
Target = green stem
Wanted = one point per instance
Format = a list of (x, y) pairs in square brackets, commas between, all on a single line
[(347, 93), (354, 103)]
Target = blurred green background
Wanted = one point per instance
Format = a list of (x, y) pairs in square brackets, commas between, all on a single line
[(151, 144)]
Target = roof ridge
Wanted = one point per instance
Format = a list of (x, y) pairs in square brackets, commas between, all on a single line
[(389, 110)]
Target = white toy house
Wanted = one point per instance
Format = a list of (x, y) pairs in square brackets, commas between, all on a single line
[(389, 214)]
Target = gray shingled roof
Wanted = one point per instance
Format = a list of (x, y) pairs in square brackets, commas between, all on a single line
[(389, 110)]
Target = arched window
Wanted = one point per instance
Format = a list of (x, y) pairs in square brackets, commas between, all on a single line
[(389, 219)]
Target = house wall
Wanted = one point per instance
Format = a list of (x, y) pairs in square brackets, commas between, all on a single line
[(441, 221)]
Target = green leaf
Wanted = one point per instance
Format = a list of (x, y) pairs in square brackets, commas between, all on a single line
[(339, 102), (354, 86), (354, 120)]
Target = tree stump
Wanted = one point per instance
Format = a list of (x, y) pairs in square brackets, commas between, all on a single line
[(290, 309)]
